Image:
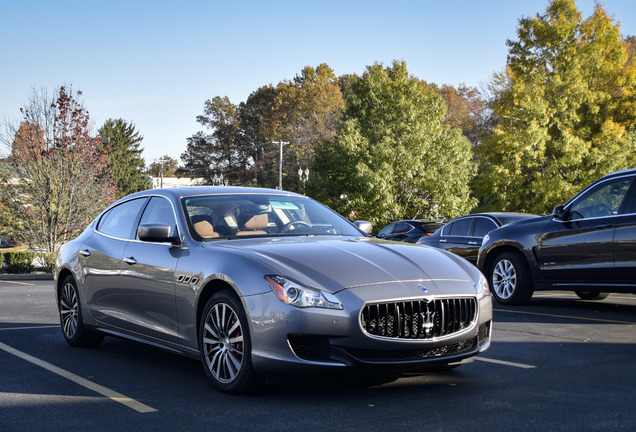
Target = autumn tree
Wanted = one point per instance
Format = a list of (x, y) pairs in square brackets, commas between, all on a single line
[(61, 179), (238, 141), (124, 158), (467, 109), (394, 156), (565, 108)]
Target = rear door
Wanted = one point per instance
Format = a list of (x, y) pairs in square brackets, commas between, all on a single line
[(101, 260), (482, 226), (456, 236)]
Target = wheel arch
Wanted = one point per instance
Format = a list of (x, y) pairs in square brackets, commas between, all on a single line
[(209, 289), (61, 277), (528, 258)]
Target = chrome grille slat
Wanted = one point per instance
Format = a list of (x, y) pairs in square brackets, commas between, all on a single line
[(419, 319)]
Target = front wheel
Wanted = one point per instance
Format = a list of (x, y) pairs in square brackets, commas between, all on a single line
[(71, 317), (510, 280), (226, 348)]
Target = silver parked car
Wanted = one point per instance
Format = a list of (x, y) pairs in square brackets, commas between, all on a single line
[(257, 282)]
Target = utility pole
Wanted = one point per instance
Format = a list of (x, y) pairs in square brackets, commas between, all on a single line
[(161, 161), (280, 163)]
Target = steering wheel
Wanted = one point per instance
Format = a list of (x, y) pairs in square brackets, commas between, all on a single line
[(286, 229), (601, 210)]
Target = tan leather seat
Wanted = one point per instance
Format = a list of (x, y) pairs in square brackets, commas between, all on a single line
[(253, 225), (203, 227)]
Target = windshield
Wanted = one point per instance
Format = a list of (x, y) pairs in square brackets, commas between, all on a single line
[(222, 216)]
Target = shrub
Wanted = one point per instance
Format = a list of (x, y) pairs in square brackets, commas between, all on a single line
[(46, 261), (20, 262)]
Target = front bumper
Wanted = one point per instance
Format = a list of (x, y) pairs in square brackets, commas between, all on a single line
[(288, 339)]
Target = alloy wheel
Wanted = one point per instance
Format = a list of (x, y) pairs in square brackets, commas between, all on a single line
[(69, 310), (223, 344), (504, 279)]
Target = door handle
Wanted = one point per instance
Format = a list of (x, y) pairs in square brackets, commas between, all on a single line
[(85, 252), (443, 240), (473, 243), (130, 260)]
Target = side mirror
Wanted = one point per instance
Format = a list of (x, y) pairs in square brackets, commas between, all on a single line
[(156, 233), (559, 213), (364, 226)]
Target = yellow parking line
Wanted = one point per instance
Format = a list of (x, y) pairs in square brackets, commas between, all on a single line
[(112, 395), (505, 363), (16, 282), (565, 316)]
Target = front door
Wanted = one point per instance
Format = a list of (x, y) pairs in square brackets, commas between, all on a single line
[(578, 250), (148, 278)]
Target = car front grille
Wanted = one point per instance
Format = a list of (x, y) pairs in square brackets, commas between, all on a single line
[(419, 319)]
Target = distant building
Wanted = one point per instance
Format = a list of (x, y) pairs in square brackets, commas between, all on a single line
[(156, 182)]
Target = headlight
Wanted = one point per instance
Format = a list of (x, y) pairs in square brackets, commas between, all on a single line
[(482, 287), (300, 296)]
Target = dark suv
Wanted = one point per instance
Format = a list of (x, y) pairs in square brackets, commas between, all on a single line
[(587, 245)]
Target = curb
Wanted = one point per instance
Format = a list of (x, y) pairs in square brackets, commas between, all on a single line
[(27, 276)]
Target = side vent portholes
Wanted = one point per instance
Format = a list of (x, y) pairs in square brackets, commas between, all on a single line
[(188, 280)]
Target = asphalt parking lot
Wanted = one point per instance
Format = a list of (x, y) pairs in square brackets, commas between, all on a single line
[(556, 364)]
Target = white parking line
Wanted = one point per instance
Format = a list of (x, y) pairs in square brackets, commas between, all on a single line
[(112, 395), (505, 363), (30, 327), (565, 316)]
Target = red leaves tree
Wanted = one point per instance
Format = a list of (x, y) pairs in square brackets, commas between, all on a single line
[(60, 179)]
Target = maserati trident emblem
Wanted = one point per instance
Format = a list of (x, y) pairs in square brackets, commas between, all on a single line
[(428, 321)]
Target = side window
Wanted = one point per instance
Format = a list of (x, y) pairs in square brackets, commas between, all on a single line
[(461, 227), (604, 199), (401, 228), (386, 230), (119, 221), (160, 211), (483, 226), (447, 229)]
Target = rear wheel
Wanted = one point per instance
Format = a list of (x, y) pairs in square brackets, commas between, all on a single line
[(71, 316), (591, 295), (510, 280), (225, 344)]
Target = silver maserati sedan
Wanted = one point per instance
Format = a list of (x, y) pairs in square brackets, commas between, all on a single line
[(260, 282)]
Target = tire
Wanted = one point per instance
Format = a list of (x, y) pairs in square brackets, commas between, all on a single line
[(510, 280), (226, 348), (591, 295), (70, 310)]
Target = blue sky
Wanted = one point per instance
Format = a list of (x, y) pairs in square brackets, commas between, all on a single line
[(154, 63)]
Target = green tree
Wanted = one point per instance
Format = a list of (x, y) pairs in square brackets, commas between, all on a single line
[(565, 108), (394, 156), (164, 166), (124, 156), (60, 178)]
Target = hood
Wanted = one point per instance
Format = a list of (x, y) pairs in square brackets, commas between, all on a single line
[(337, 263)]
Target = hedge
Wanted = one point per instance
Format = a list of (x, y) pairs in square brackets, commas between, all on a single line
[(27, 261)]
